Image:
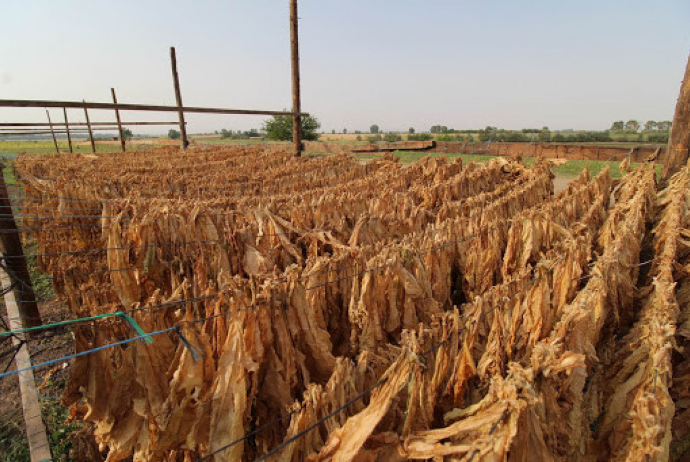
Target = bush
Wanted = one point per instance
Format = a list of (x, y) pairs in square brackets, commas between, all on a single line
[(173, 134), (419, 137), (374, 138), (392, 137), (658, 137)]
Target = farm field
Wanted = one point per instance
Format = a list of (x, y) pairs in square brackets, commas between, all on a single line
[(257, 306)]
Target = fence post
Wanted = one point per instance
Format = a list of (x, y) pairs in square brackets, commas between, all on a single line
[(53, 132), (178, 98), (119, 122), (69, 138), (14, 261), (88, 124), (296, 98)]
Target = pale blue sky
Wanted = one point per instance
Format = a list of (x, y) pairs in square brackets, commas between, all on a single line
[(464, 64)]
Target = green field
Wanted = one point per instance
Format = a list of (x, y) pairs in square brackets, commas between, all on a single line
[(13, 148)]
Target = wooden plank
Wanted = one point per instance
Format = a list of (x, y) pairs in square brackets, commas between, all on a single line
[(136, 107), (69, 138), (12, 246), (119, 122), (35, 429), (178, 98), (50, 123), (296, 96), (88, 124), (81, 124)]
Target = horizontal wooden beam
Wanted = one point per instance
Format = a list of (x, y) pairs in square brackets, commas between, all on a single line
[(137, 107), (57, 130), (80, 124)]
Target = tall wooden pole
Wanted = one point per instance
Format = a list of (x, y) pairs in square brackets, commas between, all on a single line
[(69, 138), (14, 261), (178, 98), (53, 132), (676, 155), (88, 124), (296, 97), (119, 122)]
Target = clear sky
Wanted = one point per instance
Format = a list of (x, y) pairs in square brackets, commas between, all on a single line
[(405, 63)]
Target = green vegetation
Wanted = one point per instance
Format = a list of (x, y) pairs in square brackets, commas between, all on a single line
[(173, 134), (420, 137), (279, 128), (12, 148), (14, 446), (246, 135)]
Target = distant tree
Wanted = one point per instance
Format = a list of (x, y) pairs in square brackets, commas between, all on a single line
[(664, 125), (215, 132), (174, 134), (435, 129), (333, 132), (411, 131), (345, 131), (545, 135), (632, 125), (374, 129), (650, 125), (618, 125), (127, 133), (279, 128)]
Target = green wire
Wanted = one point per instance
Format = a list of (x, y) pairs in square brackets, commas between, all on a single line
[(119, 314)]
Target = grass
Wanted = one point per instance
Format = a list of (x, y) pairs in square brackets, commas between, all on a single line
[(13, 148), (14, 446)]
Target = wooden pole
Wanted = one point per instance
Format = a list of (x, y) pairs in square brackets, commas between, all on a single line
[(15, 262), (35, 428), (69, 138), (178, 98), (50, 123), (676, 155), (137, 107), (119, 122), (296, 97), (88, 124)]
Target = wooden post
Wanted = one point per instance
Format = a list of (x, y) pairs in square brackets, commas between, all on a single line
[(178, 98), (88, 124), (35, 428), (676, 155), (15, 262), (296, 97), (69, 138), (50, 123), (119, 122)]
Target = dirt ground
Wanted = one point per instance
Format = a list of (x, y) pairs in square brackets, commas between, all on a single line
[(560, 183), (50, 381)]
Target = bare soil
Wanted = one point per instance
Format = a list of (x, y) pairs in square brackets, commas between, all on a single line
[(50, 381)]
